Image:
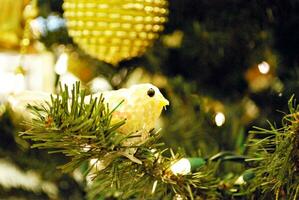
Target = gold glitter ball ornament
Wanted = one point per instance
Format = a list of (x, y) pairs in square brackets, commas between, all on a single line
[(115, 30)]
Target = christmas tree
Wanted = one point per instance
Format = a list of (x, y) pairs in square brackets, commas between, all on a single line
[(149, 99)]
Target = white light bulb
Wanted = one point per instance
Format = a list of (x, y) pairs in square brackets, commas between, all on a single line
[(6, 82), (68, 79), (183, 167), (240, 181), (93, 161), (219, 119), (11, 82), (100, 84), (264, 67), (61, 64), (19, 83)]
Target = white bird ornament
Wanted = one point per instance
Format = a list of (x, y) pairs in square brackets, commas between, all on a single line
[(141, 105)]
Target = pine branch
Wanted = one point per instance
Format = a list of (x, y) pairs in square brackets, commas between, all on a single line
[(277, 158), (151, 180), (81, 129), (73, 127)]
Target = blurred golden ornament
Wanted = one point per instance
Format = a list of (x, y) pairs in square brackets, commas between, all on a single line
[(10, 23), (115, 30)]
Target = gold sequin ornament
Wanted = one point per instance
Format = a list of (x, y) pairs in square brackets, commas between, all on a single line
[(115, 30), (10, 23)]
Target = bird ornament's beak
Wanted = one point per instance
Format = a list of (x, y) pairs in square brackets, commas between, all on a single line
[(164, 102)]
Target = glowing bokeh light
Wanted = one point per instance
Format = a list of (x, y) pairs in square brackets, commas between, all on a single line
[(264, 67), (219, 119)]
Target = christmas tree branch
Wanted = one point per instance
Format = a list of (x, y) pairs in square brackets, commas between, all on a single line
[(70, 126), (81, 128), (277, 158)]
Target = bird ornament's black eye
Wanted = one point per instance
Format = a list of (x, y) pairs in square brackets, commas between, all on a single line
[(151, 92)]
